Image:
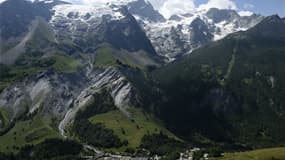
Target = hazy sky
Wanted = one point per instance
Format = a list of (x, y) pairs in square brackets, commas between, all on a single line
[(264, 7)]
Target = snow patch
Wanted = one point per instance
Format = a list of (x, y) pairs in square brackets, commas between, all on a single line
[(173, 37), (245, 13), (81, 12), (225, 28)]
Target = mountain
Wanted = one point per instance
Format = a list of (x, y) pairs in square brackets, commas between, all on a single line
[(16, 15), (87, 27), (18, 25), (182, 34), (90, 26), (56, 57), (230, 91), (143, 9), (169, 39), (84, 81)]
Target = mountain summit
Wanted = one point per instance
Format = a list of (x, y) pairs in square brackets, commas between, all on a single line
[(116, 80)]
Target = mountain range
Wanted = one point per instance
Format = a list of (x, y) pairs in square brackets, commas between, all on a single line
[(120, 77)]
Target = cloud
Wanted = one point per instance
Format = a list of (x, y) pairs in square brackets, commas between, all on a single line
[(172, 7), (246, 10), (220, 4), (245, 13)]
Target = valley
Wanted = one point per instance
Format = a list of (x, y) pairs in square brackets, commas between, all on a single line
[(120, 81)]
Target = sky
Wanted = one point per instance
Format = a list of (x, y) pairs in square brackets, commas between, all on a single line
[(245, 7)]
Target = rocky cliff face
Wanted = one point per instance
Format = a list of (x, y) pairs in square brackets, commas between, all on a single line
[(62, 95), (145, 10)]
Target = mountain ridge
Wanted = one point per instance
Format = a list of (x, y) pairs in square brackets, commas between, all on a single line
[(96, 74), (232, 91)]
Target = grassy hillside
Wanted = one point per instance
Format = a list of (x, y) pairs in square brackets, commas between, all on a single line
[(262, 154), (132, 129), (65, 64), (32, 65), (10, 74), (107, 56), (4, 119), (26, 132)]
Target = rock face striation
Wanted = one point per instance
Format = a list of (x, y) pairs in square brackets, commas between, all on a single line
[(62, 95)]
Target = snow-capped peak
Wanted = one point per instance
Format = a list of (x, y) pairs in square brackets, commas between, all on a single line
[(86, 12), (178, 35), (101, 2)]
